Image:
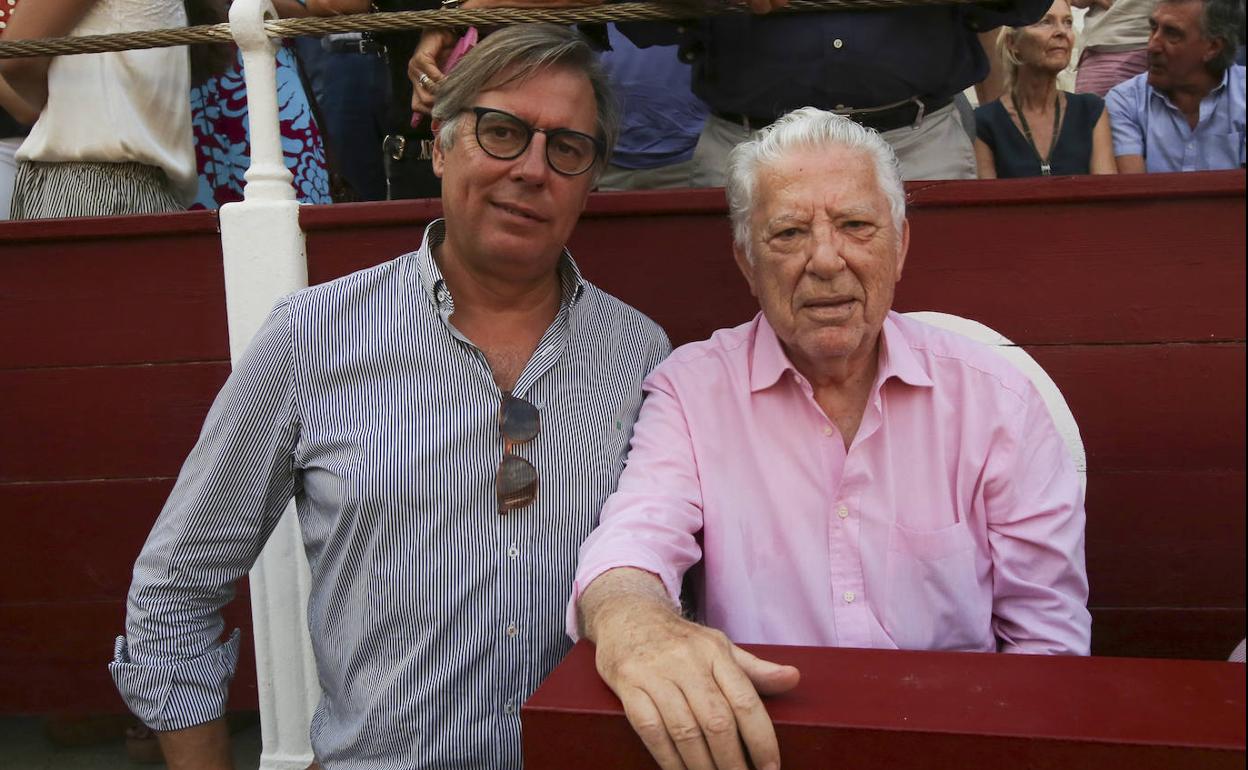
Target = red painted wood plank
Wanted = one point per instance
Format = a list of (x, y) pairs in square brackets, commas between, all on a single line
[(85, 534), (1154, 407), (56, 657), (97, 298), (102, 422), (876, 708), (1166, 539), (1103, 265), (1167, 632)]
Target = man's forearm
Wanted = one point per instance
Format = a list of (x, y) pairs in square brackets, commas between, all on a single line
[(619, 592), (202, 747)]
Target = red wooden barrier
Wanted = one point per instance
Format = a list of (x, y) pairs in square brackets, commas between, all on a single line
[(114, 344), (868, 709)]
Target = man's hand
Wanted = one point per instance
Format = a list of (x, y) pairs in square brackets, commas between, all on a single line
[(691, 695)]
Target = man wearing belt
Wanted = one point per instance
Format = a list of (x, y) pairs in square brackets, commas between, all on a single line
[(896, 71), (404, 149)]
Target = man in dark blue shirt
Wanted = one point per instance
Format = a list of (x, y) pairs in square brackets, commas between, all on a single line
[(896, 71)]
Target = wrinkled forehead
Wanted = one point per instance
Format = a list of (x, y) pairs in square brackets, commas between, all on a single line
[(810, 178), (1179, 13)]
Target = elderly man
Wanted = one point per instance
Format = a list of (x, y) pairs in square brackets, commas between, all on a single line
[(1187, 112), (449, 423), (847, 476)]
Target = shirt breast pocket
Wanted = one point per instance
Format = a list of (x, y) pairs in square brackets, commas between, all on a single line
[(934, 600)]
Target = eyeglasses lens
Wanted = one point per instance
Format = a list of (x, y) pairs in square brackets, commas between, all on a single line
[(519, 422)]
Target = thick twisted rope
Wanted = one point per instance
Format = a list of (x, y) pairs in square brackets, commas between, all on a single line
[(411, 20)]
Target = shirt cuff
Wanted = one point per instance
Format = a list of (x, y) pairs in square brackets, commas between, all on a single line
[(178, 694), (671, 582)]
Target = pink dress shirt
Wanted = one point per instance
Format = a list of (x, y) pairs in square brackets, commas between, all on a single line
[(954, 522)]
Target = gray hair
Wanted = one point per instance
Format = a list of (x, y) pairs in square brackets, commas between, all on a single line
[(806, 128), (517, 53), (1220, 20)]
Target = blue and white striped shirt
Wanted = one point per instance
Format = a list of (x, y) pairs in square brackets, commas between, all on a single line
[(432, 617)]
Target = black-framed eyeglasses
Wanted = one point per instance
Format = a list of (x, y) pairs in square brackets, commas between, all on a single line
[(504, 136), (519, 423)]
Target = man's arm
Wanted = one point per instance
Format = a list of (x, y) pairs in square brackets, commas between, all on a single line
[(691, 695), (171, 667), (1033, 504), (689, 692), (1125, 130)]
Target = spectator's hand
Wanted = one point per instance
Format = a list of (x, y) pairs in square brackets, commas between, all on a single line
[(424, 68), (691, 695), (765, 6)]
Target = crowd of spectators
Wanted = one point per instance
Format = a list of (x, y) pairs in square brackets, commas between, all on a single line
[(1159, 87)]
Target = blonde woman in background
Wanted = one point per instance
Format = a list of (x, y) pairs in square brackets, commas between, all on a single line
[(1036, 129)]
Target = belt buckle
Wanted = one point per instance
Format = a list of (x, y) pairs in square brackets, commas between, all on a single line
[(395, 146)]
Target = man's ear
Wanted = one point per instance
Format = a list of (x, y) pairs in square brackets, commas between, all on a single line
[(439, 157), (744, 265), (904, 247), (1216, 44)]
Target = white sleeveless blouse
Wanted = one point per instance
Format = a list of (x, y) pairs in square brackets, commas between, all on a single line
[(129, 106)]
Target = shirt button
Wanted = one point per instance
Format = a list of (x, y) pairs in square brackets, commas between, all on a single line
[(842, 511), (513, 552), (509, 708), (441, 295), (827, 430), (512, 630), (849, 597), (837, 43)]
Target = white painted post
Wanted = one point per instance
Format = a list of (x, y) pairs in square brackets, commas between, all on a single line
[(265, 259)]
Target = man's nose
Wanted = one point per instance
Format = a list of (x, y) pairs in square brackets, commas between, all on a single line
[(531, 165), (826, 257), (1154, 41)]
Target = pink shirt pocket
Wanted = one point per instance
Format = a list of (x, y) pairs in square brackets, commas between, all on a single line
[(934, 598)]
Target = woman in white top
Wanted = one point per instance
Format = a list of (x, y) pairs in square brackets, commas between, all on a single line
[(114, 129)]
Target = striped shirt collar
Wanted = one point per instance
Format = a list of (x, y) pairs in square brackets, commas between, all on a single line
[(572, 285)]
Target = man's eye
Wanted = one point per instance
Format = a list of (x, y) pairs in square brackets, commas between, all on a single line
[(503, 131), (568, 147), (787, 233)]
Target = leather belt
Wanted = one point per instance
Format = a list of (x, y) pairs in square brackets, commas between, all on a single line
[(891, 116), (352, 43)]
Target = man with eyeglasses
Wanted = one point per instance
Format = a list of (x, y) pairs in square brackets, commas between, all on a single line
[(449, 424)]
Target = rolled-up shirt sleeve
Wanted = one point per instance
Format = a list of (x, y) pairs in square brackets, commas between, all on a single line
[(651, 521), (171, 667), (1035, 514)]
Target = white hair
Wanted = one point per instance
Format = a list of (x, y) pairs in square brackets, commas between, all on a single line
[(812, 129)]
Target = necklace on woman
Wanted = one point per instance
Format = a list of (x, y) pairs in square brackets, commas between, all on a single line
[(1046, 169)]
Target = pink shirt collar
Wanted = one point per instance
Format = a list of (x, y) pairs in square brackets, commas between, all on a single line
[(768, 361)]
